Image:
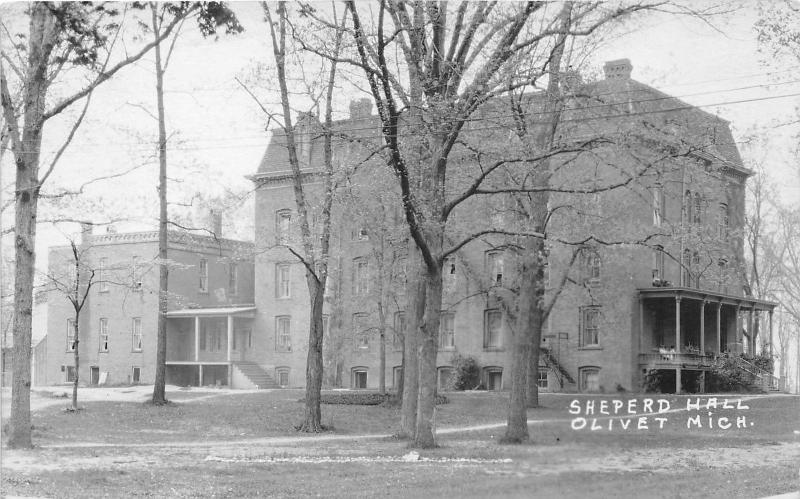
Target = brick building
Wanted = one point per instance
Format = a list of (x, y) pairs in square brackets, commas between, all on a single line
[(645, 241), (211, 300)]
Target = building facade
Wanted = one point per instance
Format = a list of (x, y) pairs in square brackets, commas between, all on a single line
[(210, 300), (645, 241)]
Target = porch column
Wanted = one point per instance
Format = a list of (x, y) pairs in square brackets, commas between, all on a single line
[(197, 338), (678, 343), (751, 332), (230, 342), (703, 327), (678, 324), (738, 333), (641, 325), (770, 333), (200, 377), (719, 327)]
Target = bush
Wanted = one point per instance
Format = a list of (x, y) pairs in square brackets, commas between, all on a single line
[(728, 377), (466, 373), (363, 398), (354, 398)]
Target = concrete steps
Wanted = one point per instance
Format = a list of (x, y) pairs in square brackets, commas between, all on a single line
[(257, 375)]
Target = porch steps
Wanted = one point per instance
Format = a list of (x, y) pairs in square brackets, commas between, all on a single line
[(257, 375)]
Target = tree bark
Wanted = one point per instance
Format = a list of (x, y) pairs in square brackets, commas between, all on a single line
[(428, 346), (75, 345), (159, 387), (312, 419), (415, 292), (26, 154)]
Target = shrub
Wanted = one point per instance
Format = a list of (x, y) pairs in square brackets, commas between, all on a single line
[(364, 398), (728, 377), (466, 373)]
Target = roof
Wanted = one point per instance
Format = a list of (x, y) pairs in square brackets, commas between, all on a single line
[(243, 311), (746, 302)]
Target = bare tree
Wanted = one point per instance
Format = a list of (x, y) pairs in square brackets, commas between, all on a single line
[(313, 255), (60, 37), (209, 16)]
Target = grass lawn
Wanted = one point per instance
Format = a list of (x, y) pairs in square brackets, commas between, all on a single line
[(245, 445)]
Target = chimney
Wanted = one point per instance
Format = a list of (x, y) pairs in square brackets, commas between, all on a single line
[(360, 108), (618, 70)]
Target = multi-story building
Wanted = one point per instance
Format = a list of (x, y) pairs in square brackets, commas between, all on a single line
[(644, 238), (208, 323)]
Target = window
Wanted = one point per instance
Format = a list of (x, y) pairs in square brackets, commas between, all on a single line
[(445, 378), (491, 329), (71, 343), (136, 375), (282, 376), (136, 280), (658, 265), (69, 374), (136, 333), (658, 205), (399, 330), (283, 335), (449, 273), (359, 378), (447, 331), (326, 319), (591, 265), (319, 270), (233, 279), (102, 277), (359, 234), (283, 224), (686, 274), (104, 334), (360, 332), (724, 220), (494, 267), (687, 206), (541, 380), (203, 275), (397, 376), (494, 378), (590, 326), (697, 210), (283, 276), (360, 276), (589, 379)]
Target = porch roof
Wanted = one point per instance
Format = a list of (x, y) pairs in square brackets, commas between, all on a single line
[(745, 302), (243, 311)]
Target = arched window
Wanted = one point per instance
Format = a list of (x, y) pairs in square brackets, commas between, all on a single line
[(724, 220), (686, 263), (282, 376), (697, 210), (589, 378), (359, 377), (493, 378), (445, 378)]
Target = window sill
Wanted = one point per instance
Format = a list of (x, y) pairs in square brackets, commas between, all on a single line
[(448, 349), (136, 351), (590, 347), (102, 351), (494, 349)]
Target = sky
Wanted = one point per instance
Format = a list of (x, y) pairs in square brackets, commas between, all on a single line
[(217, 131)]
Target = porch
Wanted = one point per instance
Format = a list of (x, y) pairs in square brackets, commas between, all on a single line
[(684, 329), (203, 344)]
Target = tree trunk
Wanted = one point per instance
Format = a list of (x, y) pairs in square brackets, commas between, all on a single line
[(382, 376), (415, 292), (159, 387), (312, 419), (428, 342), (517, 429), (75, 344), (26, 155)]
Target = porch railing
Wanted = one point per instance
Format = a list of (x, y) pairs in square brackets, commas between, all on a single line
[(674, 359)]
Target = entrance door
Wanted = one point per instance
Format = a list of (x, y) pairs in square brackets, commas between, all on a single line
[(94, 375)]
